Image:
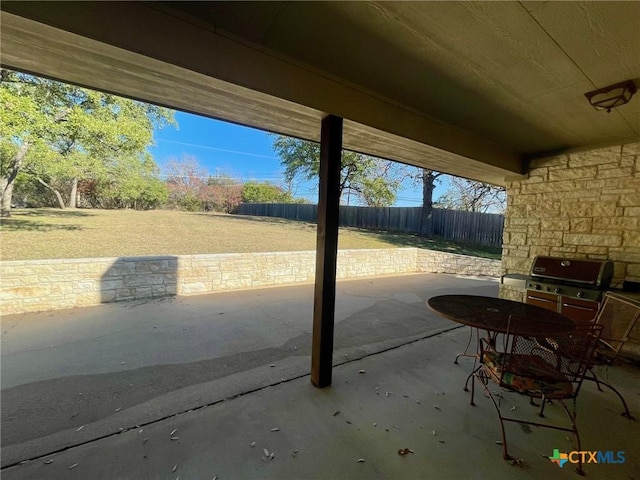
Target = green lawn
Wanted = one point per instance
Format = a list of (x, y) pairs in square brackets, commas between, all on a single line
[(50, 233)]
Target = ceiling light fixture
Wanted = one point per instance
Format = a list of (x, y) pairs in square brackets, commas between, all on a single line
[(612, 96)]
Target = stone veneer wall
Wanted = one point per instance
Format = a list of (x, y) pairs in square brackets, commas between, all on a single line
[(215, 273), (31, 286), (576, 205), (41, 285), (429, 261)]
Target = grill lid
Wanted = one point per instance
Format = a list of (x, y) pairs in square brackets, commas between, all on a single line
[(596, 273)]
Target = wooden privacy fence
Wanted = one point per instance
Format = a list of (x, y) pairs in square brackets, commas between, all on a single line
[(469, 227)]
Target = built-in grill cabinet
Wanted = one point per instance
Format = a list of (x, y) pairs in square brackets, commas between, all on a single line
[(571, 287)]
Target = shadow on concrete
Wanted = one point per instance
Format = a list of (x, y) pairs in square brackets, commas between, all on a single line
[(139, 278)]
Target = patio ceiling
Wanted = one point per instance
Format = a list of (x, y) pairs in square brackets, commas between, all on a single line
[(469, 88)]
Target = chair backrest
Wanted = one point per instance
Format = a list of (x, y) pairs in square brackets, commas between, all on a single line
[(576, 350), (569, 352), (617, 315)]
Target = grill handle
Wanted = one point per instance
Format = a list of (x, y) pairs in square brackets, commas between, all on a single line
[(539, 299), (578, 307)]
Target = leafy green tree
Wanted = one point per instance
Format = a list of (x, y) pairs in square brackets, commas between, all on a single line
[(27, 193), (22, 129), (370, 180), (60, 134), (264, 192), (132, 182)]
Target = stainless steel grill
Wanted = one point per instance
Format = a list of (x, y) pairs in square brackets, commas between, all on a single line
[(573, 287)]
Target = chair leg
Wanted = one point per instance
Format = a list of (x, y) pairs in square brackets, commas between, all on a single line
[(595, 379), (466, 349), (473, 388), (462, 355), (542, 404), (469, 377), (626, 412), (476, 368), (505, 453), (572, 416), (577, 435), (579, 469)]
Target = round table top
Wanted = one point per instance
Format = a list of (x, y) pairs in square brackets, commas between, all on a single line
[(493, 314)]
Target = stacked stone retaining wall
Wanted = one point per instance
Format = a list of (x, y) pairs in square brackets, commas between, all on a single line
[(33, 286)]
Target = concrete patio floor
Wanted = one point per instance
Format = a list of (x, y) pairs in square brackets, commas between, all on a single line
[(226, 376)]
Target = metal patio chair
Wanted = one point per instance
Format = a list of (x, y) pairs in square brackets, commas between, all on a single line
[(617, 315), (518, 364)]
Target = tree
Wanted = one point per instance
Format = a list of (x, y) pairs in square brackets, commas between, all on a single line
[(186, 181), (60, 134), (225, 193), (429, 178), (132, 182), (371, 180), (191, 187), (264, 192), (18, 136), (473, 196)]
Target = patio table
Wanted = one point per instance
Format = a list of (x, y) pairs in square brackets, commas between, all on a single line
[(493, 314), (532, 359)]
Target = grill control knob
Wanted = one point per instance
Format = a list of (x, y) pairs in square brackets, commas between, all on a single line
[(580, 294), (537, 286), (556, 290)]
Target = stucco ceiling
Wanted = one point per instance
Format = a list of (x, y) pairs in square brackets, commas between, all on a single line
[(469, 88)]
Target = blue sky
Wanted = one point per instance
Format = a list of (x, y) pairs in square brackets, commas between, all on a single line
[(240, 152)]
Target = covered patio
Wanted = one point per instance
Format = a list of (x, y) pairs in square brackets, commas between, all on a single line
[(493, 91), (323, 434), (227, 375), (489, 91)]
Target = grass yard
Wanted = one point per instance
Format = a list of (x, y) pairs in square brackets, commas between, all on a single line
[(48, 233)]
